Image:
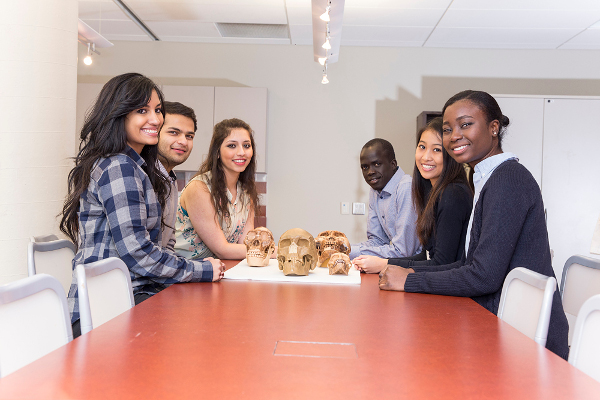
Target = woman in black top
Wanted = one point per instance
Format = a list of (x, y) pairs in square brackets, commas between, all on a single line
[(443, 201)]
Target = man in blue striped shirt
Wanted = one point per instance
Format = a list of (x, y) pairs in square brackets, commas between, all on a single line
[(391, 227)]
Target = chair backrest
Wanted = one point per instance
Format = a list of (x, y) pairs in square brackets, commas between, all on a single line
[(43, 238), (104, 290), (580, 281), (526, 302), (585, 350), (53, 258), (34, 320)]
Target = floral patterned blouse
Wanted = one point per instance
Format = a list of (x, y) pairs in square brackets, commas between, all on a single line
[(187, 242)]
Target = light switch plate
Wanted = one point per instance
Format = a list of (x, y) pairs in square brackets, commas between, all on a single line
[(345, 208), (358, 208)]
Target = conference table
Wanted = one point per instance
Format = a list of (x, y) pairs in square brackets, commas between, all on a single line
[(267, 340)]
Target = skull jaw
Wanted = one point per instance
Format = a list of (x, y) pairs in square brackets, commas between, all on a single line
[(339, 265), (295, 266), (325, 256), (257, 258)]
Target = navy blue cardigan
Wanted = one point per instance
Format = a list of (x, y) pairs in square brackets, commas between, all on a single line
[(508, 231)]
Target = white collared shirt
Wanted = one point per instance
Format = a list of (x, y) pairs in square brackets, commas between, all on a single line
[(483, 171)]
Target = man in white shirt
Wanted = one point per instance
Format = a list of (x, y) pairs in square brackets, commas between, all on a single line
[(175, 143)]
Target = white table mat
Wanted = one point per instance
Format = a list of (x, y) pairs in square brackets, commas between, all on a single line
[(272, 273)]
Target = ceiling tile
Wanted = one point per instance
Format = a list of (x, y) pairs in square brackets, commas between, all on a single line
[(381, 43), (299, 15), (298, 3), (479, 45), (89, 10), (111, 11), (119, 28), (487, 37), (526, 19), (256, 14), (391, 17), (525, 4), (404, 4), (402, 23), (224, 40), (183, 28), (93, 23), (588, 39), (129, 38), (384, 34), (101, 10), (301, 34)]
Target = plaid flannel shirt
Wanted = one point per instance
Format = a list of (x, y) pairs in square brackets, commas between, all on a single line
[(119, 216)]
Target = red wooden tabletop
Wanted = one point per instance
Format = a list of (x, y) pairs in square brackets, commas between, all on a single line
[(243, 339)]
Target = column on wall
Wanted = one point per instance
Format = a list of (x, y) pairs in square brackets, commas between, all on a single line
[(38, 81)]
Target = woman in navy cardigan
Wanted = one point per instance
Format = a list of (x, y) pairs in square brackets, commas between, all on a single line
[(508, 226)]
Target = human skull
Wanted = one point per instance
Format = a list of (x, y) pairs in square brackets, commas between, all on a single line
[(259, 247), (339, 263), (296, 252), (329, 242)]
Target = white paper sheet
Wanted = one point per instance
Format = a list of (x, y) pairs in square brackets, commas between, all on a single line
[(272, 273)]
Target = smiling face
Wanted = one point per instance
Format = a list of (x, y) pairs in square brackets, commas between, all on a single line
[(142, 125), (236, 151), (377, 168), (176, 140), (429, 156), (468, 137)]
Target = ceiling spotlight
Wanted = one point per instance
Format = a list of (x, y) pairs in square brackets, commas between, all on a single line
[(326, 45), (325, 15), (322, 60), (325, 81), (88, 59)]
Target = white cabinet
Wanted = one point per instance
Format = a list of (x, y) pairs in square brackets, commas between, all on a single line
[(202, 100), (249, 105), (211, 105), (525, 132), (557, 139)]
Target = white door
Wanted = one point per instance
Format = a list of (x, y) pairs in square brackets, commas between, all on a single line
[(524, 135), (571, 176)]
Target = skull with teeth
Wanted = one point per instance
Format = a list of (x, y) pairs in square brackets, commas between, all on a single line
[(296, 252), (259, 247), (339, 263), (330, 242)]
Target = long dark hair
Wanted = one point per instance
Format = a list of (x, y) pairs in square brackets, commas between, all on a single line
[(425, 205), (103, 135), (213, 165)]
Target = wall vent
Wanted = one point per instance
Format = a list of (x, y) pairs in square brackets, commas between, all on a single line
[(253, 31)]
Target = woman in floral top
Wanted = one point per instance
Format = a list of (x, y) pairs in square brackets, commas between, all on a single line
[(217, 207)]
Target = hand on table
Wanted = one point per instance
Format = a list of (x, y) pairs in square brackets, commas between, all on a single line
[(393, 278), (218, 268), (369, 264)]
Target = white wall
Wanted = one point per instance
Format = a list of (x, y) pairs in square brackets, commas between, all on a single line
[(38, 77), (315, 132)]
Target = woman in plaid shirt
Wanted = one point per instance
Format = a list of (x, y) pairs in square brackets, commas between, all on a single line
[(116, 193)]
